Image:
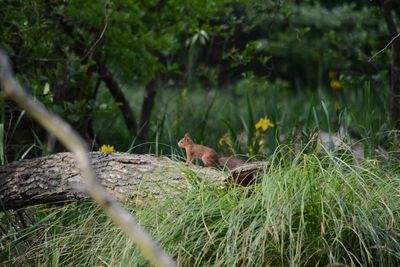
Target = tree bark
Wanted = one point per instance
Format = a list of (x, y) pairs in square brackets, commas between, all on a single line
[(57, 178), (395, 66)]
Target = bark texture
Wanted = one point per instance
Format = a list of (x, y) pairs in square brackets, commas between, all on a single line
[(57, 178)]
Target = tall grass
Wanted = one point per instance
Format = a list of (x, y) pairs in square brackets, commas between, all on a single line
[(308, 210)]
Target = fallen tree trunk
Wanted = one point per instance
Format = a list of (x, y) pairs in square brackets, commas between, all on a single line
[(57, 177)]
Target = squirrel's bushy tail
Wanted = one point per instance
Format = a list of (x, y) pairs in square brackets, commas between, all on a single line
[(230, 162)]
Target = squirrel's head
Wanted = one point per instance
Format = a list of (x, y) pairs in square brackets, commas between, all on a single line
[(185, 141)]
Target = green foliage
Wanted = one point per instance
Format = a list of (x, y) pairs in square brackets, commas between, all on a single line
[(234, 47), (309, 39), (59, 48), (230, 113)]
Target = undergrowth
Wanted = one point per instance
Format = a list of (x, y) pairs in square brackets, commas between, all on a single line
[(308, 210), (210, 114)]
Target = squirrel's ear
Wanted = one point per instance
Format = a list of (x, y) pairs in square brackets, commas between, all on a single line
[(186, 135)]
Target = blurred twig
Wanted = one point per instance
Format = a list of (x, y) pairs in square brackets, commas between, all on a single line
[(73, 142), (383, 49)]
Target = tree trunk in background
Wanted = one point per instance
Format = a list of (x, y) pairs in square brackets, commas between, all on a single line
[(115, 90), (395, 66), (147, 108)]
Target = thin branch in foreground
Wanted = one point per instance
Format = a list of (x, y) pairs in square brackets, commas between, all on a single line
[(383, 49), (73, 142)]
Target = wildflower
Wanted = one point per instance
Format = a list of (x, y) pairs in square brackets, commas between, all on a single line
[(107, 149), (264, 123), (336, 84)]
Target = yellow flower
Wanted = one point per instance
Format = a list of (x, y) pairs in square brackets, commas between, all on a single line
[(336, 84), (107, 149), (264, 123)]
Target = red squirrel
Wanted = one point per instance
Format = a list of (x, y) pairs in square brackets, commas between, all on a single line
[(208, 155)]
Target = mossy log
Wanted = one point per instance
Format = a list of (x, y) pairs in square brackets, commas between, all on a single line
[(57, 178)]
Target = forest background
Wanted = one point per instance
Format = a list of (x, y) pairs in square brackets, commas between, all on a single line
[(246, 77), (139, 74)]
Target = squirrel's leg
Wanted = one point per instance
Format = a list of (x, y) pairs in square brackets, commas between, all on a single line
[(189, 157)]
